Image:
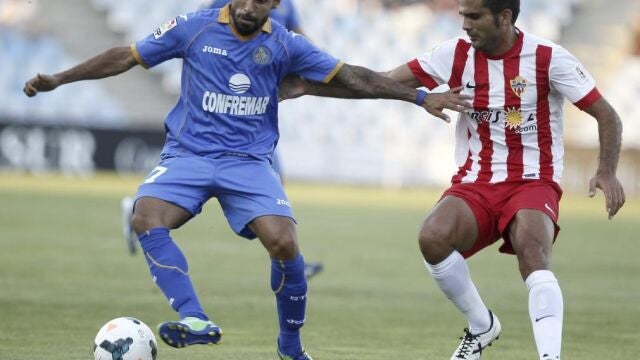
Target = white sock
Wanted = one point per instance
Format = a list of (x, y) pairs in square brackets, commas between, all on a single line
[(452, 276), (546, 312)]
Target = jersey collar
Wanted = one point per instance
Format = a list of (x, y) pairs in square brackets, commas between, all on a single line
[(225, 18)]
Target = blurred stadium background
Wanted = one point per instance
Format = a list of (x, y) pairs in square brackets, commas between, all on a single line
[(359, 175), (364, 142)]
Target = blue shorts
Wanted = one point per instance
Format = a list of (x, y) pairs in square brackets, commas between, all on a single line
[(245, 187)]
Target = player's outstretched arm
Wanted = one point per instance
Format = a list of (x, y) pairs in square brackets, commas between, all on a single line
[(356, 82), (111, 62), (610, 134)]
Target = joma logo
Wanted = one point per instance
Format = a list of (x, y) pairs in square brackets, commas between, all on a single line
[(214, 50)]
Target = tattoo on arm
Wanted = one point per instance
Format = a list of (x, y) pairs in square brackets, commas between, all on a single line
[(356, 82), (365, 83)]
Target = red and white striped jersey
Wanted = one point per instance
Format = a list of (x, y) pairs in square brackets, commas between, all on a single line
[(515, 129)]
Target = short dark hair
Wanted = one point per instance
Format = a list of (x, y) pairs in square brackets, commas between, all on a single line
[(496, 7)]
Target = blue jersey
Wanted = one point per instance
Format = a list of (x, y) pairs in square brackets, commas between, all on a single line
[(229, 92), (286, 13)]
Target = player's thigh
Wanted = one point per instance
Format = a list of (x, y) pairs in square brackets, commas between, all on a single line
[(247, 190), (531, 224), (531, 230), (531, 234), (153, 213), (451, 222), (184, 182), (531, 215)]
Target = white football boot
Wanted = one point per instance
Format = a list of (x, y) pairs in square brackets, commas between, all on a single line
[(472, 345)]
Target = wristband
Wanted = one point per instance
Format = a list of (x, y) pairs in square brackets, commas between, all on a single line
[(420, 96)]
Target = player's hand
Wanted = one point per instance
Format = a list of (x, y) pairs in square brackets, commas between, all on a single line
[(435, 103), (612, 189), (40, 83), (291, 87)]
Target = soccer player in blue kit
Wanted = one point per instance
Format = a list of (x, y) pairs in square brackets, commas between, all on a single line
[(220, 138), (287, 15)]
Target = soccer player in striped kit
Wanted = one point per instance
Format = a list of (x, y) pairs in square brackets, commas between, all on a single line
[(510, 154), (220, 138)]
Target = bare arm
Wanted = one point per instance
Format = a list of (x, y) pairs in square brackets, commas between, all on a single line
[(610, 135), (361, 83), (355, 82), (111, 62)]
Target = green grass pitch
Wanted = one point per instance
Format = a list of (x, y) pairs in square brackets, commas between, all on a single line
[(65, 270)]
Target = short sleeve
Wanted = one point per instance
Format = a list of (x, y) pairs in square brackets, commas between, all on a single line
[(166, 42), (309, 61), (569, 77), (434, 67)]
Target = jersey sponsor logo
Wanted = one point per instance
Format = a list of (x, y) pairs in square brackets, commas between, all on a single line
[(234, 105), (214, 50), (261, 55), (526, 129), (512, 118), (519, 85), (164, 28), (184, 17), (470, 85), (239, 83)]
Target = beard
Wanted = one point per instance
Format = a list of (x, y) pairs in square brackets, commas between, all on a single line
[(246, 25)]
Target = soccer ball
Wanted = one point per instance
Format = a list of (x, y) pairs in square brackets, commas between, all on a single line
[(125, 338)]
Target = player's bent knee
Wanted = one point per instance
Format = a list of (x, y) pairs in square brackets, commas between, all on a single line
[(141, 223), (434, 243), (532, 258), (281, 247)]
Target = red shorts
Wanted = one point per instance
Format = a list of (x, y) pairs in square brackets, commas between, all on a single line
[(495, 205)]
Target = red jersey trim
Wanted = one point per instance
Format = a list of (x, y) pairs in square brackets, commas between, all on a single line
[(589, 99), (421, 75)]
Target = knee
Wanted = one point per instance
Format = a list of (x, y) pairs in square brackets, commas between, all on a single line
[(142, 222), (532, 258), (434, 242), (281, 245)]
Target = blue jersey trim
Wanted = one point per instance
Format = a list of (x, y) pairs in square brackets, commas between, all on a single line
[(136, 55)]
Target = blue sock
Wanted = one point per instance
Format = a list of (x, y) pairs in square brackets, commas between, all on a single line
[(170, 272), (290, 287)]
